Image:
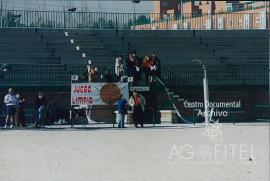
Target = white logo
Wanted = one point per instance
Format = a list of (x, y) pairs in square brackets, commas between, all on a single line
[(213, 131)]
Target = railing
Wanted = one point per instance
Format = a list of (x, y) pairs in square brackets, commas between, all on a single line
[(145, 21), (174, 76), (231, 74)]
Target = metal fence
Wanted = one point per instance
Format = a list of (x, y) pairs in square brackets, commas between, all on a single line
[(102, 20), (173, 76)]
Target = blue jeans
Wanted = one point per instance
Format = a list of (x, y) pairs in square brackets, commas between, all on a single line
[(121, 123), (40, 115)]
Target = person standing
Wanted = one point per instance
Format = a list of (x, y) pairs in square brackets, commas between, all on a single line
[(148, 69), (11, 102), (157, 65), (122, 111), (138, 68), (20, 112), (130, 66), (119, 67), (40, 105), (91, 73), (137, 102)]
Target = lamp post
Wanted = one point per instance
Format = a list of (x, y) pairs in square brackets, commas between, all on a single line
[(64, 11), (205, 91)]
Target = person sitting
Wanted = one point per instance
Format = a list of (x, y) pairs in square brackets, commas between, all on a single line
[(107, 77)]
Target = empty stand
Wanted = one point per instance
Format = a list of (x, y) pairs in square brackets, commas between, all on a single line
[(24, 46)]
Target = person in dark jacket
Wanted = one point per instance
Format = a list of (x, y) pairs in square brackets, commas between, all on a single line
[(130, 63), (157, 64), (138, 67), (20, 112), (148, 63), (137, 102), (108, 77), (122, 111), (40, 105)]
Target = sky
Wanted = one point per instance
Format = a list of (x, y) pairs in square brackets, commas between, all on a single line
[(123, 6)]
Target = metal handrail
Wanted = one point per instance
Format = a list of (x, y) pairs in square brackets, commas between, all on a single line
[(174, 106), (58, 74)]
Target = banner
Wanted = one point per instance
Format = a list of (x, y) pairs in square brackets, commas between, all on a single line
[(97, 93)]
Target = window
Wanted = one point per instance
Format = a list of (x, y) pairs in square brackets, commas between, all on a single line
[(229, 7), (164, 4), (250, 6)]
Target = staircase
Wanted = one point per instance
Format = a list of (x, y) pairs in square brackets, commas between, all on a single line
[(174, 100)]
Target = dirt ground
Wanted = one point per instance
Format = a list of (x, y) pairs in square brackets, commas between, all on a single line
[(223, 152)]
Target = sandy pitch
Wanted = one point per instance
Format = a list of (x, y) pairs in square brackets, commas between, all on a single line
[(149, 154)]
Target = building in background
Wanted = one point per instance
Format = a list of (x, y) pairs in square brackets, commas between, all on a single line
[(165, 6), (175, 14)]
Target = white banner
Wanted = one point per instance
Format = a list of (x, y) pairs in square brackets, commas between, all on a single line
[(97, 93)]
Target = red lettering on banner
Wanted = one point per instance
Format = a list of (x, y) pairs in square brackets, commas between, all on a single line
[(82, 100), (82, 89)]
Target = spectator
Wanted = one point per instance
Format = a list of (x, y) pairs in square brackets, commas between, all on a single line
[(11, 102), (138, 66), (20, 112), (91, 73), (122, 111), (40, 105), (96, 76), (108, 77), (119, 67), (130, 66), (134, 69), (138, 59), (137, 102), (148, 68), (157, 64)]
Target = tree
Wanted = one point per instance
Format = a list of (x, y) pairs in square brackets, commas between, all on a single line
[(142, 20)]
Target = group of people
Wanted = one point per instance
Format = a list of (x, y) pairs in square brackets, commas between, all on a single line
[(93, 75), (134, 66), (137, 103), (15, 108)]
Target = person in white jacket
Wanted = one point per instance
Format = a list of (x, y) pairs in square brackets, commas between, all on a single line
[(119, 67), (11, 102), (137, 102)]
